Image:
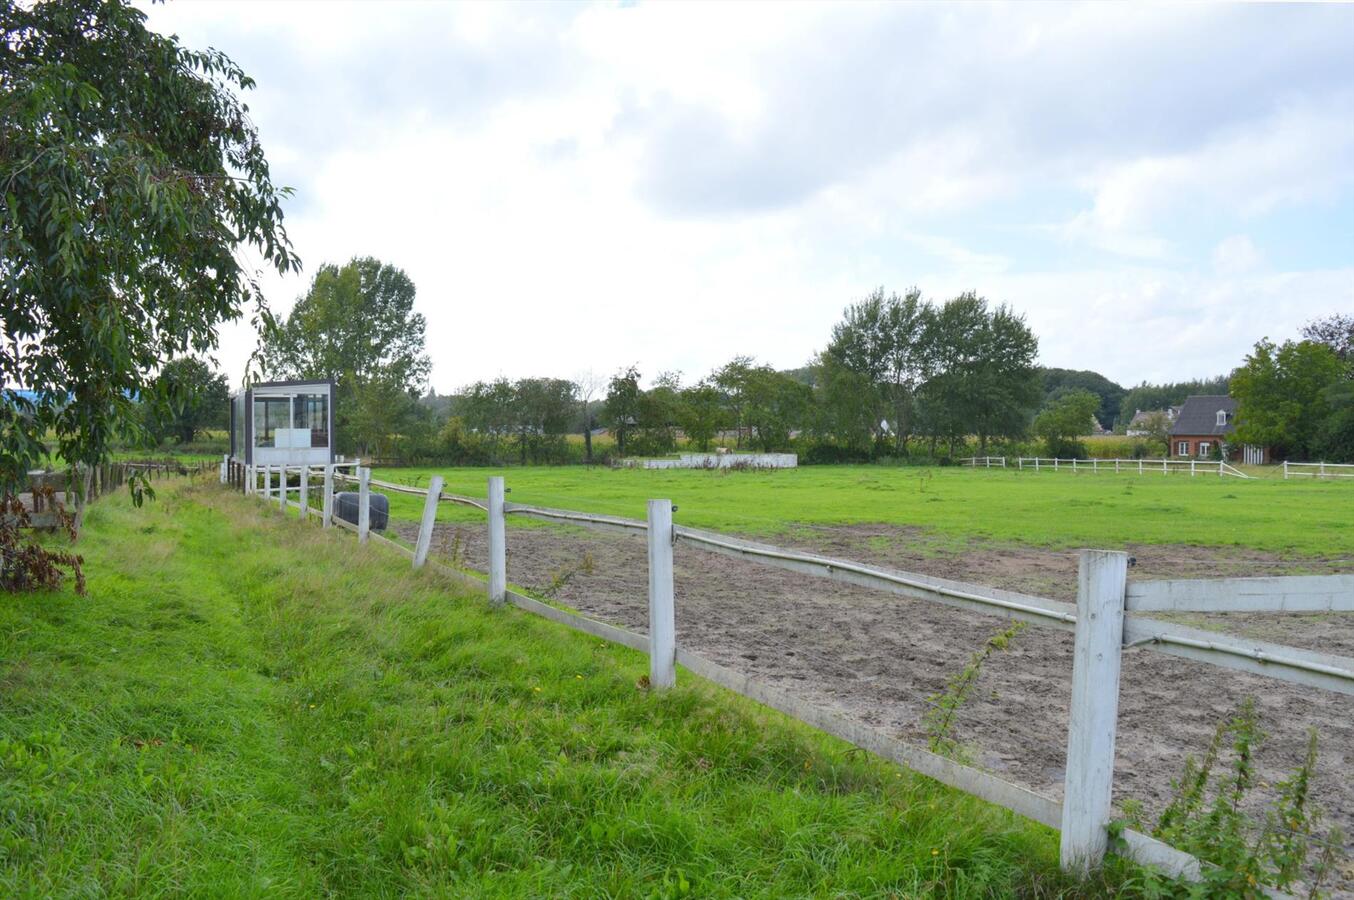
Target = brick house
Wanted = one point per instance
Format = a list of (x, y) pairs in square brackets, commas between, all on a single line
[(1204, 424)]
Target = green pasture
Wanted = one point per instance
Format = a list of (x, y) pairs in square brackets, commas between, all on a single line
[(1053, 509)]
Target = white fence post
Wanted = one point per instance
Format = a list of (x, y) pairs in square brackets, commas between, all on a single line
[(498, 547), (327, 503), (225, 466), (282, 488), (305, 493), (1102, 579), (425, 528), (363, 503), (1285, 470), (662, 615)]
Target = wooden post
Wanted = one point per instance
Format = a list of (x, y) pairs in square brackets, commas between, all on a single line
[(1285, 470), (363, 503), (1102, 578), (425, 528), (305, 493), (498, 548), (1191, 468), (282, 488), (225, 464), (327, 507), (662, 624)]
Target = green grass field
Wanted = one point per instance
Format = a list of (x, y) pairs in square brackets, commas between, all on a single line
[(1048, 509), (247, 706)]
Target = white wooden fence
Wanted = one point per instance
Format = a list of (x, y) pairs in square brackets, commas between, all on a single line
[(1107, 618), (1138, 466), (1317, 470)]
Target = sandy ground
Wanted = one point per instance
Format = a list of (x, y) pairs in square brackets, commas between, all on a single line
[(877, 657)]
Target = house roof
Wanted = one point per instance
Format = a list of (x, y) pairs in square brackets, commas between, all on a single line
[(1141, 416), (1199, 415)]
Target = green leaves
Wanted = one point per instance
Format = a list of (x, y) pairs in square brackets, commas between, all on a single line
[(131, 175)]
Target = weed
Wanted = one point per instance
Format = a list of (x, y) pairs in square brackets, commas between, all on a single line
[(1206, 817), (945, 706)]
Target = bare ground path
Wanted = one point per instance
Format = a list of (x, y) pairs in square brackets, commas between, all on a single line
[(877, 657)]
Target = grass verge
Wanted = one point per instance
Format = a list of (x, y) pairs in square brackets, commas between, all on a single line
[(243, 705)]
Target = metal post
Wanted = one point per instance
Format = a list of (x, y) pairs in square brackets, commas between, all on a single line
[(305, 493), (662, 618), (363, 503), (1101, 581), (327, 509), (498, 547), (425, 528)]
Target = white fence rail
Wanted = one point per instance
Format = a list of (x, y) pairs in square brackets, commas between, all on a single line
[(984, 462), (1317, 470), (1138, 466), (1107, 618)]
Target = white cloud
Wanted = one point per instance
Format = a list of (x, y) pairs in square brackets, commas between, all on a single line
[(671, 184)]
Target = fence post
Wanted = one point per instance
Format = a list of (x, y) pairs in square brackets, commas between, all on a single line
[(363, 503), (1102, 577), (498, 547), (1191, 468), (662, 624), (327, 503), (305, 493), (1285, 470), (282, 489), (425, 528)]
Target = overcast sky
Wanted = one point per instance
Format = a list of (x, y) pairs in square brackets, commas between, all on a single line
[(575, 187)]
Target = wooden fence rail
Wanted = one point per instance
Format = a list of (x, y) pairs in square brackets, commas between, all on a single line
[(1317, 470), (1106, 620), (1135, 466)]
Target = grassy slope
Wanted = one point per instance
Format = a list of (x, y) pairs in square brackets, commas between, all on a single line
[(246, 706), (1053, 509)]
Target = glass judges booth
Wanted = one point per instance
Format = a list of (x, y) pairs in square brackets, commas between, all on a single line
[(283, 423)]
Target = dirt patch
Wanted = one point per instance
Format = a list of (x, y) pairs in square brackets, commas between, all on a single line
[(877, 657)]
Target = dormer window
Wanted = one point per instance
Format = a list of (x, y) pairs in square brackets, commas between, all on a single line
[(1222, 417)]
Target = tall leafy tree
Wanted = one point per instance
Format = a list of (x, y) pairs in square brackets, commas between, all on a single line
[(623, 405), (700, 413), (1065, 419), (357, 326), (202, 400), (1059, 381), (1336, 332), (883, 340), (131, 178), (1281, 395)]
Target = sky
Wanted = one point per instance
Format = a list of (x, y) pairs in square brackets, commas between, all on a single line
[(578, 188)]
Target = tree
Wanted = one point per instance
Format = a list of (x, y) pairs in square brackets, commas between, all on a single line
[(1111, 395), (355, 325), (544, 409), (1065, 419), (700, 413), (131, 177), (489, 411), (731, 379), (981, 374), (777, 404), (589, 385), (622, 404), (882, 339), (1281, 395), (203, 400), (1335, 436), (380, 413), (1336, 332)]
